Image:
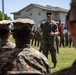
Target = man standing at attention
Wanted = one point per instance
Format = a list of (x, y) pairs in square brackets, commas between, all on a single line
[(49, 30)]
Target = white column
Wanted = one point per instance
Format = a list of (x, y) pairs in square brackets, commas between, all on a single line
[(2, 9)]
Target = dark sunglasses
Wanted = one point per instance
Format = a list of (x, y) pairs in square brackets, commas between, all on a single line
[(73, 21)]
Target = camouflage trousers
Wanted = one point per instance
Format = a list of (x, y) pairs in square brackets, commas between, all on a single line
[(49, 48)]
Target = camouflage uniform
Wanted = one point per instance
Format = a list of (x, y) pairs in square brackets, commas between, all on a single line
[(66, 39), (23, 59), (57, 43), (62, 40), (36, 38), (48, 41), (7, 44)]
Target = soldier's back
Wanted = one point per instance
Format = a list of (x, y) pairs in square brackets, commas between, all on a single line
[(22, 61)]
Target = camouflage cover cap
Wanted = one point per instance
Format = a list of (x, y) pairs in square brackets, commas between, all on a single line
[(4, 24), (23, 23), (48, 14)]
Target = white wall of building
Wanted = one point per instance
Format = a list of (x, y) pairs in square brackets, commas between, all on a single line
[(38, 14), (16, 16), (24, 14), (63, 16), (56, 15)]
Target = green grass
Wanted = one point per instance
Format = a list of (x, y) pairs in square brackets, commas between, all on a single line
[(64, 59), (11, 38)]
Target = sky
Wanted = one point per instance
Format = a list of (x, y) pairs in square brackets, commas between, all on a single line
[(16, 5)]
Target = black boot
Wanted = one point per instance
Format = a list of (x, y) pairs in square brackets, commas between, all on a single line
[(54, 65)]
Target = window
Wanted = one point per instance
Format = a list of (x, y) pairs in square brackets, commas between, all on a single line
[(39, 13), (30, 14)]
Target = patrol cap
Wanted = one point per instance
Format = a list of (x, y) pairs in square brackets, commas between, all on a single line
[(48, 14), (22, 23), (4, 24)]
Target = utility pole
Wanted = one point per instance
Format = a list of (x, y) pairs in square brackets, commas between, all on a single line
[(2, 9)]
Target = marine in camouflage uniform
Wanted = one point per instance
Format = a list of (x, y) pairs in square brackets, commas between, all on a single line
[(5, 34), (37, 38), (57, 43), (66, 39), (62, 40), (49, 30), (23, 59)]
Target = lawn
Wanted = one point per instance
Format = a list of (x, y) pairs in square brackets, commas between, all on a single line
[(64, 59)]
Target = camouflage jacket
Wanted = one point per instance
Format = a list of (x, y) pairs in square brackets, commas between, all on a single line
[(47, 28), (22, 61), (6, 44), (48, 40)]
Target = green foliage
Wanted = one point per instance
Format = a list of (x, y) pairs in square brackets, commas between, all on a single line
[(6, 17), (0, 15), (11, 38)]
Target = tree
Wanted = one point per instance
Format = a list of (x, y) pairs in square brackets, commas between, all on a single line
[(6, 17)]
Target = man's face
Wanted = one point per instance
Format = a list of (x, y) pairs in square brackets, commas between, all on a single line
[(72, 25), (49, 17)]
